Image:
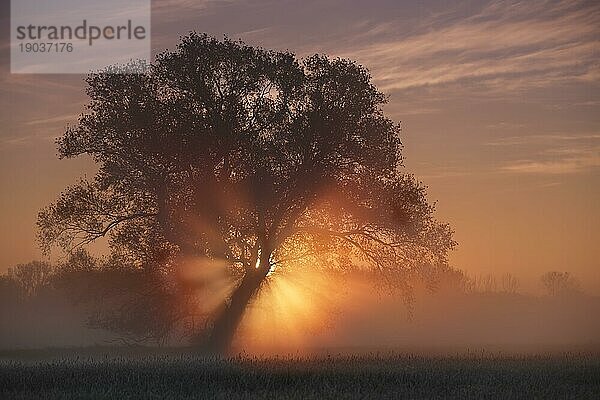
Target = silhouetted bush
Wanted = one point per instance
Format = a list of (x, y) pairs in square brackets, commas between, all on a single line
[(560, 284), (31, 277)]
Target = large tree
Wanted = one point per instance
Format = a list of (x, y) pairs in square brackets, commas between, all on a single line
[(251, 158)]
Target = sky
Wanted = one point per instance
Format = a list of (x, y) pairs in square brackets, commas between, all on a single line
[(499, 104)]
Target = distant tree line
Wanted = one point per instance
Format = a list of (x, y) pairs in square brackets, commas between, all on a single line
[(139, 307), (121, 298)]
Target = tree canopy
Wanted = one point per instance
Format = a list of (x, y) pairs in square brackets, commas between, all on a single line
[(252, 158)]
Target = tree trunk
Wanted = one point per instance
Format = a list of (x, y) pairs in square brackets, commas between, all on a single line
[(228, 319)]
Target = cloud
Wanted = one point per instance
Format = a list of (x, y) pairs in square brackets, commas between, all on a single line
[(25, 140), (165, 5), (440, 173), (549, 139), (559, 153), (52, 120), (505, 46), (503, 125), (171, 10), (565, 166), (558, 161)]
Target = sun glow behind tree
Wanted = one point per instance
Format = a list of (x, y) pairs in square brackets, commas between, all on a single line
[(234, 158)]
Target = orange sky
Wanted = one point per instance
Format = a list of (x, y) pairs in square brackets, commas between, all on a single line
[(500, 105)]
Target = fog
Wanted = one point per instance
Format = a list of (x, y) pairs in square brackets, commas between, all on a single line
[(441, 322), (345, 316)]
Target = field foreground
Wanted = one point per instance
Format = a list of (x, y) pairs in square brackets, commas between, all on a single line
[(31, 375)]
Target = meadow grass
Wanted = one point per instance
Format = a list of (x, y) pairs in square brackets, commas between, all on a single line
[(165, 374)]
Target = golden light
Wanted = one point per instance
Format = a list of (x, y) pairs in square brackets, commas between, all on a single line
[(257, 266), (209, 280), (291, 310)]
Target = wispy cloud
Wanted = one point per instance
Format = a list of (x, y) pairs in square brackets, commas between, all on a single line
[(557, 154), (507, 45), (551, 140), (52, 120), (582, 161), (444, 174), (25, 140), (169, 10), (504, 125)]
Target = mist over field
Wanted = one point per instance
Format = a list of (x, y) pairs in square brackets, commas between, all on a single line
[(358, 318)]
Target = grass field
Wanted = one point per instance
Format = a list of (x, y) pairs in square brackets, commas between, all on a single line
[(178, 375)]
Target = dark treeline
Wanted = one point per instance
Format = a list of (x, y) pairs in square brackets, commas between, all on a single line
[(101, 294)]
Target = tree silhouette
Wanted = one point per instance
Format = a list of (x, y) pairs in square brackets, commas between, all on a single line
[(560, 283), (250, 158), (31, 277)]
